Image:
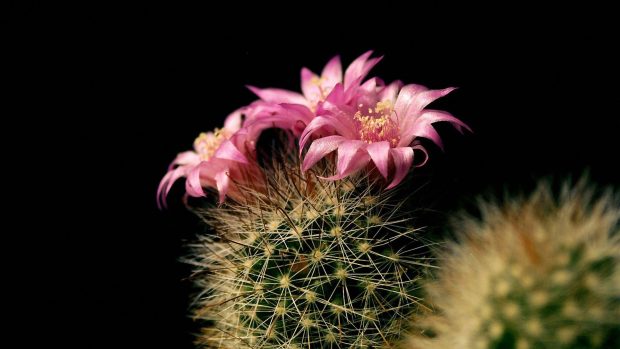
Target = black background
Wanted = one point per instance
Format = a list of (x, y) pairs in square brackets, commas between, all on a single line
[(134, 86)]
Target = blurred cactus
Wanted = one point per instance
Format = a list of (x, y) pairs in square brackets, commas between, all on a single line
[(307, 264), (533, 273)]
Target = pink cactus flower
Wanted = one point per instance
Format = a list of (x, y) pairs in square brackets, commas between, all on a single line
[(293, 111), (218, 157), (381, 128)]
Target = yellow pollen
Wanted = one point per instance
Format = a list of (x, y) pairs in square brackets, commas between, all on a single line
[(317, 80), (377, 125), (207, 143), (383, 106)]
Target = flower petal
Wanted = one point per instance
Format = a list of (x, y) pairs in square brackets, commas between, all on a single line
[(379, 153), (423, 150), (390, 92), (347, 154), (319, 148), (412, 104), (336, 96), (166, 184), (403, 159), (222, 182), (185, 158), (193, 186), (358, 69), (308, 86), (342, 125), (276, 95), (358, 160), (332, 73), (406, 98), (228, 151), (233, 121), (369, 86), (286, 116), (422, 127), (297, 114)]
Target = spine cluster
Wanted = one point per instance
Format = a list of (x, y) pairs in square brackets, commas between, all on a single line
[(309, 264)]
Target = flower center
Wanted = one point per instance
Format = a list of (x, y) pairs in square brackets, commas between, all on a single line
[(207, 143), (376, 124)]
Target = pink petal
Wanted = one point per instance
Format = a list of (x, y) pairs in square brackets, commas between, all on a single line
[(370, 85), (319, 148), (342, 125), (347, 152), (308, 87), (422, 127), (425, 98), (358, 160), (423, 150), (332, 72), (298, 112), (406, 98), (233, 121), (286, 116), (193, 186), (222, 181), (185, 158), (336, 96), (358, 69), (166, 184), (259, 108), (276, 95), (379, 153), (228, 151), (421, 130), (409, 112), (390, 92), (403, 159)]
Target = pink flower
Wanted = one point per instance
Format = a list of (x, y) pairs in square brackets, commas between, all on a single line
[(380, 128), (218, 157), (293, 111)]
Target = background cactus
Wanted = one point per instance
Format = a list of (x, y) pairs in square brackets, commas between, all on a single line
[(534, 273), (308, 264)]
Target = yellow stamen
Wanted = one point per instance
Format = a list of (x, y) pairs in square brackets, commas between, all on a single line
[(207, 143)]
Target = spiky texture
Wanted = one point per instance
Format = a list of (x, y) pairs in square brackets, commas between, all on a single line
[(308, 264), (533, 273)]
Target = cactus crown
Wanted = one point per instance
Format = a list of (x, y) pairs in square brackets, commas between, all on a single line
[(307, 264), (533, 273)]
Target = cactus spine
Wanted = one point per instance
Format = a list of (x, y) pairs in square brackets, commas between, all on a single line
[(308, 264), (534, 273)]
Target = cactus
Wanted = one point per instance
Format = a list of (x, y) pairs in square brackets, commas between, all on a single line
[(533, 273), (307, 264)]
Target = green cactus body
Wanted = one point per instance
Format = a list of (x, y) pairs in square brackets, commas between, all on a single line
[(311, 264), (536, 273)]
